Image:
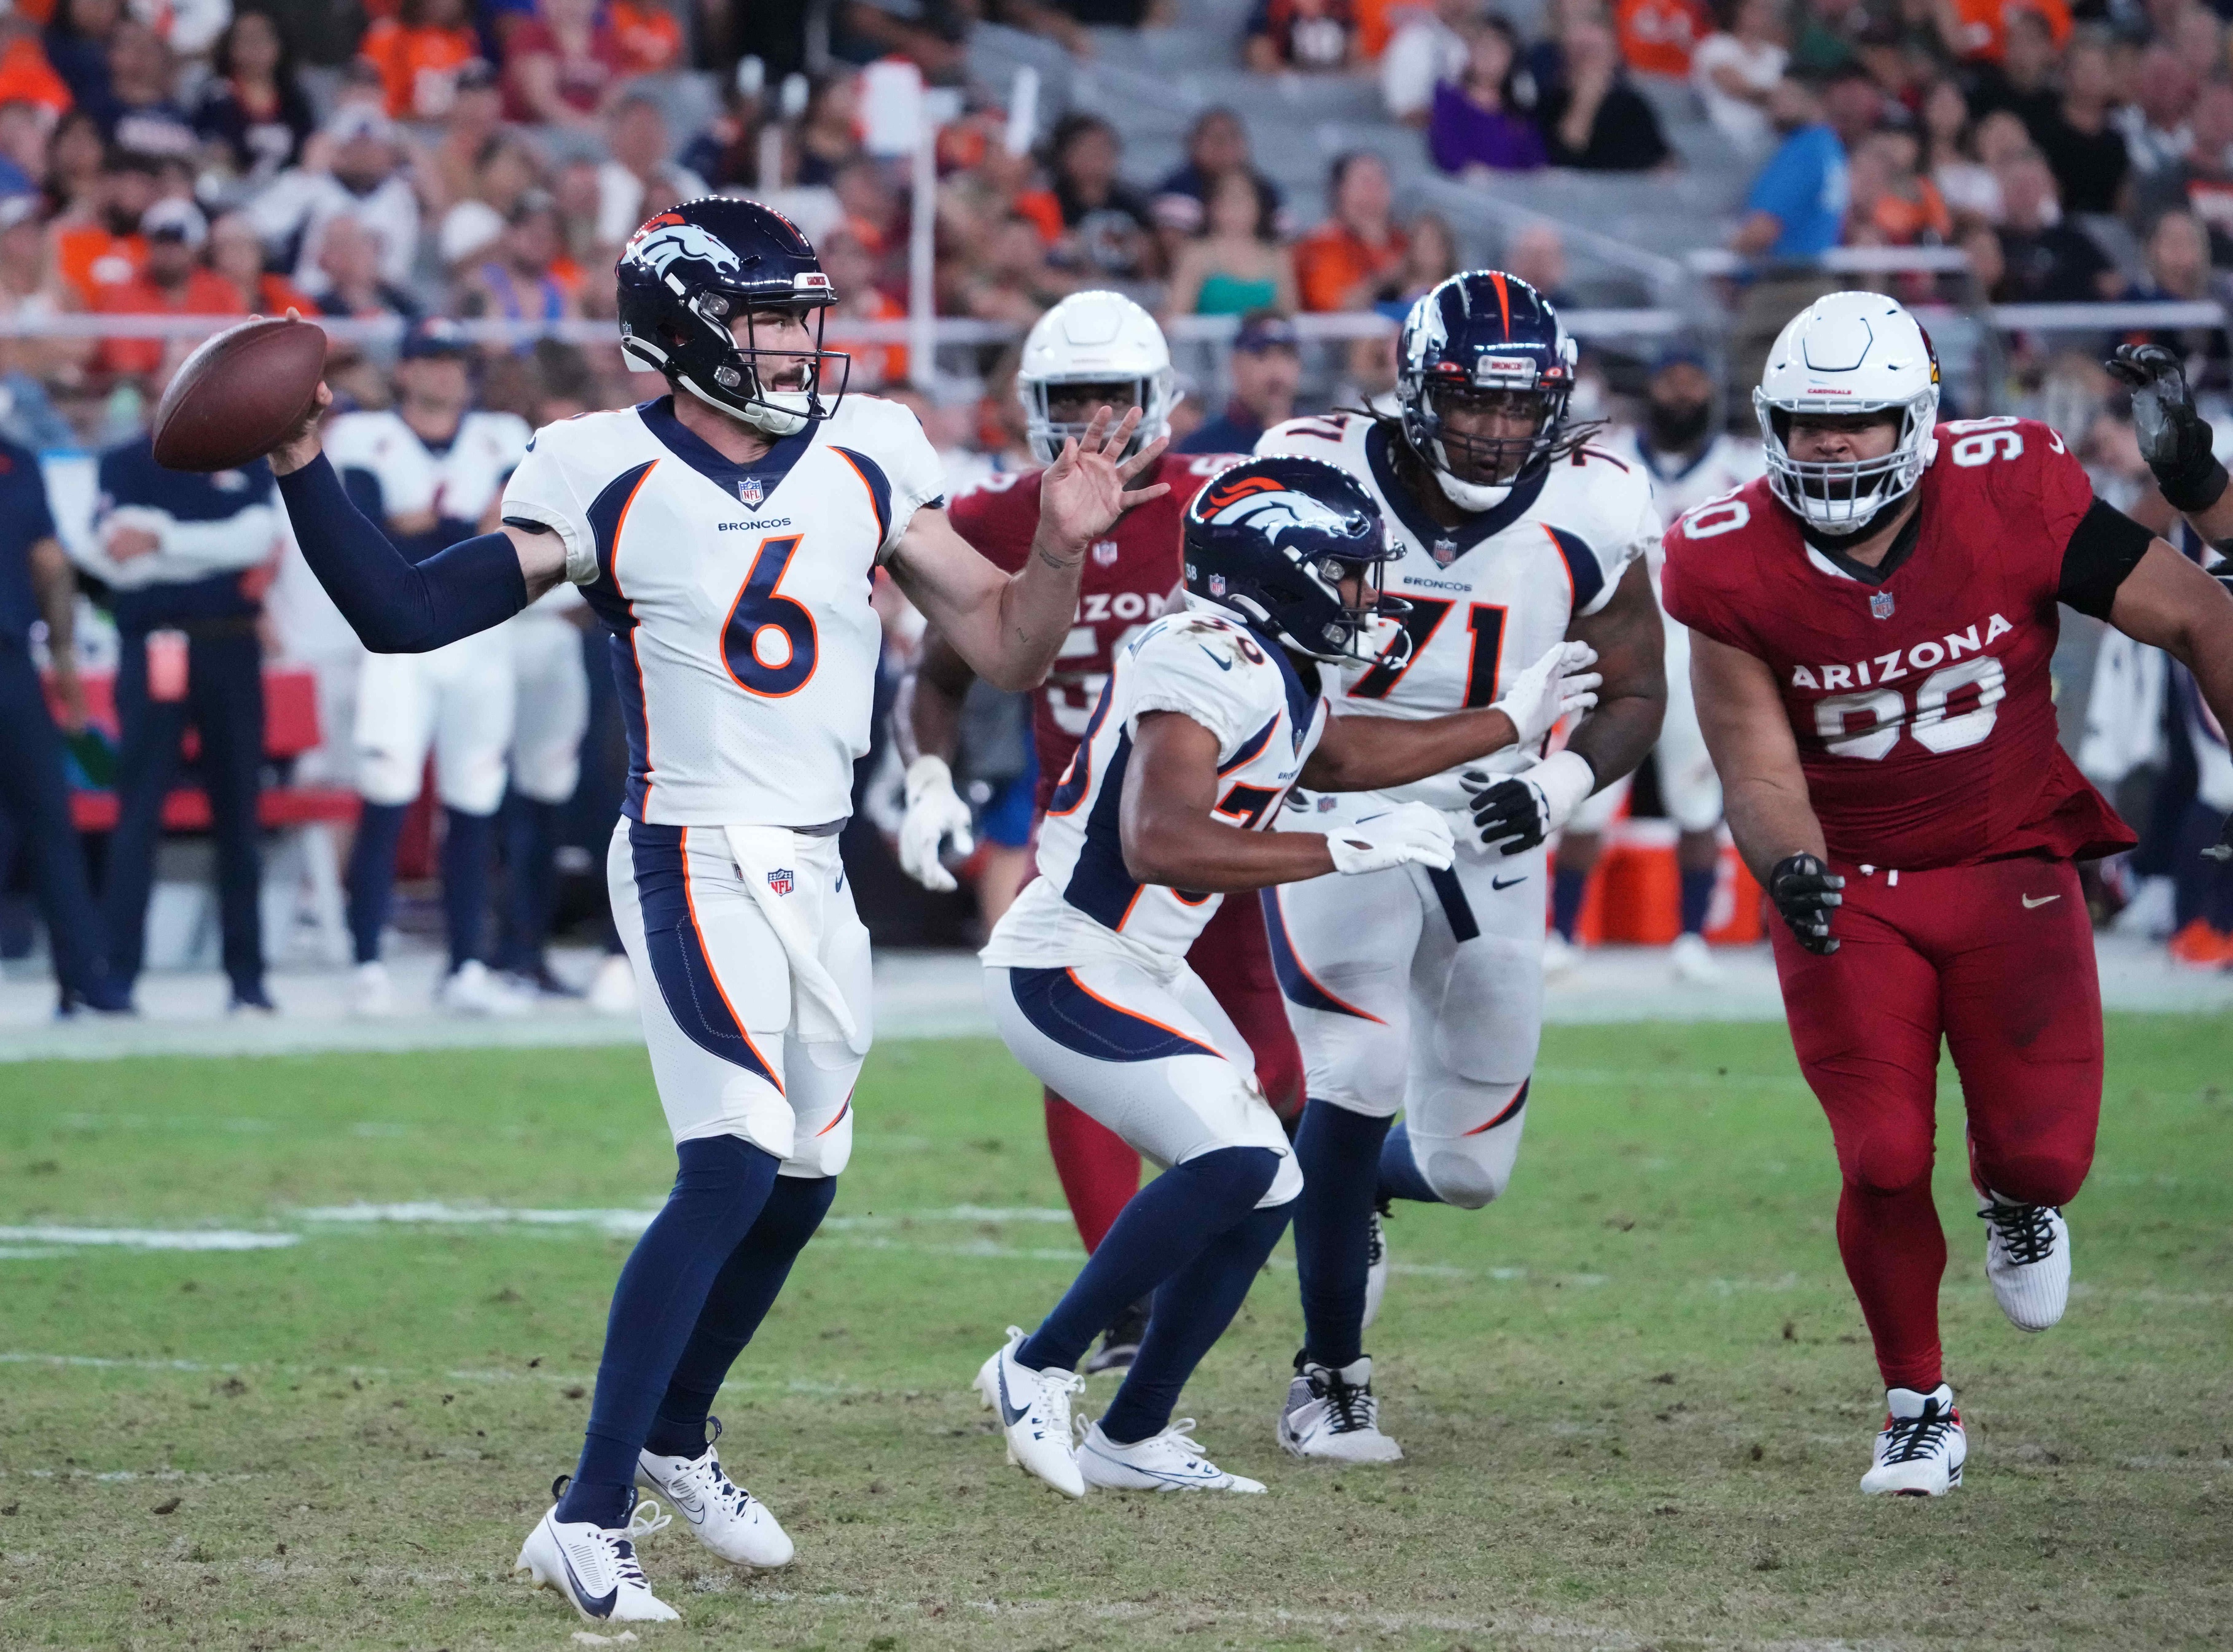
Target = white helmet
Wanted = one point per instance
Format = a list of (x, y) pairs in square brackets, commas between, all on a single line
[(1094, 338), (1845, 353)]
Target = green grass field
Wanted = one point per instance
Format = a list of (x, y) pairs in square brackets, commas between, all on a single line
[(1634, 1394)]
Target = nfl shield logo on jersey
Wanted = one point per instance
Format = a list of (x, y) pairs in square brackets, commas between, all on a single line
[(1104, 553), (749, 491), (780, 880), (1881, 605)]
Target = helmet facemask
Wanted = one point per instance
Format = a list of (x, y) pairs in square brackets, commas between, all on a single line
[(1842, 497), (749, 378), (1046, 436), (1477, 472)]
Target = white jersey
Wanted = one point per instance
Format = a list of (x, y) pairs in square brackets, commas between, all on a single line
[(1489, 597), (1726, 463), (744, 645), (396, 469), (1204, 666)]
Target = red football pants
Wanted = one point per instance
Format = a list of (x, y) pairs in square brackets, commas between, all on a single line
[(1998, 959), (1098, 1171)]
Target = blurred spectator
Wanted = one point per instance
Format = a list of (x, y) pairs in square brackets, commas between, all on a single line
[(726, 150), (507, 171), (77, 45), (1217, 144), (2085, 150), (528, 279), (236, 253), (1796, 208), (829, 136), (2047, 261), (1538, 256), (1347, 261), (2021, 81), (1234, 266), (1473, 128), (362, 178), (1427, 50), (252, 106), (1431, 258), (651, 39), (443, 172), (25, 75), (2154, 123), (852, 272), (1266, 370), (75, 151), (560, 64), (139, 113), (2179, 271), (1986, 30), (1369, 375), (872, 206), (23, 146), (101, 247), (172, 281), (2203, 181), (929, 33), (1105, 221), (1967, 186), (638, 179), (575, 193), (1892, 204), (1013, 281), (1657, 36), (350, 282), (30, 290), (1852, 103), (1593, 119), (1311, 35), (1735, 68), (419, 53)]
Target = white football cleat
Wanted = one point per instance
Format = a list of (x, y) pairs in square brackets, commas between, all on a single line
[(1376, 1268), (612, 989), (1034, 1407), (1693, 961), (1560, 956), (595, 1568), (723, 1515), (1330, 1413), (1169, 1461), (471, 989), (1922, 1448), (370, 991), (2027, 1259)]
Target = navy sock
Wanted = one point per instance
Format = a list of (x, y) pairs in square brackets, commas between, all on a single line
[(1697, 896), (1399, 1170), (467, 844), (1193, 1308), (1567, 889), (1339, 1152), (1165, 1227), (372, 875), (531, 877), (742, 1292), (719, 1191)]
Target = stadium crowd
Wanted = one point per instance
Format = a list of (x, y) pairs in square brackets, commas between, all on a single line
[(431, 159)]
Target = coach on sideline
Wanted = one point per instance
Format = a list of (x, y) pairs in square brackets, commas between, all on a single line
[(36, 582)]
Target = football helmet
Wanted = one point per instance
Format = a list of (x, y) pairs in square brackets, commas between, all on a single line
[(1094, 338), (1482, 330), (692, 274), (1272, 539), (1849, 353)]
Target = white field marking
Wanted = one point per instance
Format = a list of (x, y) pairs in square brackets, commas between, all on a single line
[(151, 1238), (95, 1362), (430, 1212)]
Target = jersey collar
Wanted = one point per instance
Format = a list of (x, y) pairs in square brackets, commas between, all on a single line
[(1422, 527), (1652, 456), (769, 470)]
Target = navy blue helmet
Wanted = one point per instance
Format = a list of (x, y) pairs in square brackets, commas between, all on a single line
[(1483, 337), (1272, 539), (691, 282)]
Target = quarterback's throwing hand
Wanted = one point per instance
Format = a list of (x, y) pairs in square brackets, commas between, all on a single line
[(1408, 832), (1805, 892), (934, 813), (1089, 487), (1559, 683), (2174, 438)]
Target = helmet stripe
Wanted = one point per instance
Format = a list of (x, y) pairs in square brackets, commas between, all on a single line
[(1503, 299)]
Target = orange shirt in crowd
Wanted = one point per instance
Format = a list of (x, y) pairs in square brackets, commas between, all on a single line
[(418, 66), (275, 295), (1656, 36), (1984, 23), (650, 39), (1378, 19), (1040, 206), (1333, 259), (1902, 222), (91, 259), (27, 77), (874, 365), (206, 293)]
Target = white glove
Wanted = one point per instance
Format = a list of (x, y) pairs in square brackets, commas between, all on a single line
[(1561, 681), (934, 812), (1407, 832), (1514, 813)]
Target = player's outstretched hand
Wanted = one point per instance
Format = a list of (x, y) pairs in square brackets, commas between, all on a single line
[(2174, 438), (1406, 833), (1559, 683), (934, 813), (1090, 486), (1805, 892)]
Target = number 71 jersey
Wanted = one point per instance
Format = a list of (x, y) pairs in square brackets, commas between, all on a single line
[(1922, 703)]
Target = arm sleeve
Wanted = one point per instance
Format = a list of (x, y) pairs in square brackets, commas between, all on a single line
[(1199, 671), (2105, 547), (2085, 547), (540, 495)]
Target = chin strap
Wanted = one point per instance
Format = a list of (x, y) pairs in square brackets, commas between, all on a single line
[(1473, 496), (1823, 539)]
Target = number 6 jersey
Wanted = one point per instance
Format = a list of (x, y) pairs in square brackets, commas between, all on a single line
[(1919, 691), (743, 642)]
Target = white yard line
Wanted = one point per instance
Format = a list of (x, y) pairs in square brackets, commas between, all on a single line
[(149, 1238)]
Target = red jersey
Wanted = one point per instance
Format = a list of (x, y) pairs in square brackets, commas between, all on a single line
[(1923, 707), (1131, 578)]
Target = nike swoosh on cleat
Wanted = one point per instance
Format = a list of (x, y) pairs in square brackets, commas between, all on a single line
[(2030, 903), (594, 1605), (1011, 1413)]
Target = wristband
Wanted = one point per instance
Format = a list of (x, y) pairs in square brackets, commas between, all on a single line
[(2189, 495)]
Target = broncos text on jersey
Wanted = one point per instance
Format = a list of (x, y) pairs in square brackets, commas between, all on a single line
[(1268, 721), (1922, 705), (744, 645), (1131, 579), (1486, 597)]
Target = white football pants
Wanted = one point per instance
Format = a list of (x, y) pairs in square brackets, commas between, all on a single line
[(457, 702), (553, 688)]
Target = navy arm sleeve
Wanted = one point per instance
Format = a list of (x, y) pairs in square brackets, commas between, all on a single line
[(394, 605)]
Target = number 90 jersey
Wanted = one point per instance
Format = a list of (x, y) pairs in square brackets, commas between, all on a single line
[(744, 645), (1487, 597), (1922, 705), (1210, 667)]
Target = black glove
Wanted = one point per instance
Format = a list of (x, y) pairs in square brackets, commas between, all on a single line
[(2174, 438), (1805, 892), (1512, 817)]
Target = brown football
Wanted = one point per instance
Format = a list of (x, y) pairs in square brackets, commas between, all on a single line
[(233, 399)]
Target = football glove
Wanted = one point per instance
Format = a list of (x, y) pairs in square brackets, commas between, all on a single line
[(2174, 438), (1561, 681), (1407, 832), (1514, 813), (1805, 892), (934, 813)]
